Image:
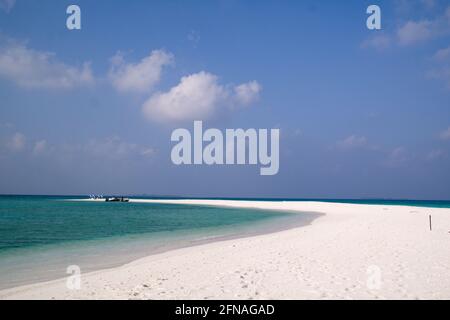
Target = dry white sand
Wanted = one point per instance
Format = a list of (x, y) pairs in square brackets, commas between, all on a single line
[(338, 256)]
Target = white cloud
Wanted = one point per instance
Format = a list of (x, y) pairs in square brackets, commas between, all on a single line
[(196, 97), (413, 32), (445, 135), (139, 77), (40, 147), (17, 142), (35, 69), (7, 5), (442, 54), (247, 93), (352, 142)]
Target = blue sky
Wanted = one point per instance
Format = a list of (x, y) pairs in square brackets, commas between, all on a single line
[(362, 113)]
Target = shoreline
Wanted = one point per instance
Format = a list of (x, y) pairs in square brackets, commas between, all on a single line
[(326, 259), (152, 244)]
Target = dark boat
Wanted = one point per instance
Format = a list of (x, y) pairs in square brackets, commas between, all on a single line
[(117, 199)]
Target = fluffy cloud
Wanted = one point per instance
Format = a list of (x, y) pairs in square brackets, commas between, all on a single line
[(352, 142), (413, 32), (35, 69), (139, 77), (197, 96), (247, 93)]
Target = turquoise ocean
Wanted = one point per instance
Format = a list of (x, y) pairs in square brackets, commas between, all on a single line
[(40, 236)]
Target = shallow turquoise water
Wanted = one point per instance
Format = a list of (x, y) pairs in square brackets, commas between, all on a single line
[(41, 236), (27, 221)]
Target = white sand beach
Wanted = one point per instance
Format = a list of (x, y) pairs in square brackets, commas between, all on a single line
[(351, 252)]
